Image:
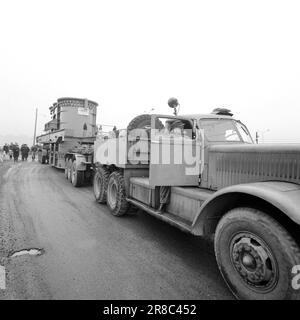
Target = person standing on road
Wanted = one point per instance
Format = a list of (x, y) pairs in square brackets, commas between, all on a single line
[(24, 152), (1, 154), (16, 152), (11, 150), (6, 151), (33, 152)]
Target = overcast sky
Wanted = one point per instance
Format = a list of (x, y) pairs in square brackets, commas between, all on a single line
[(131, 56)]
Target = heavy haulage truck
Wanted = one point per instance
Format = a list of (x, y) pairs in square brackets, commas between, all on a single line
[(69, 137), (201, 173), (217, 184)]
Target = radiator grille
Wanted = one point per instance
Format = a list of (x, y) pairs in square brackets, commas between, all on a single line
[(231, 168)]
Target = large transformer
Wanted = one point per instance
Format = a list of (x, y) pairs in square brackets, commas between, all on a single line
[(76, 116), (70, 135)]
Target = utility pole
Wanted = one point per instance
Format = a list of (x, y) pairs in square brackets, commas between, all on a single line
[(256, 137), (34, 134)]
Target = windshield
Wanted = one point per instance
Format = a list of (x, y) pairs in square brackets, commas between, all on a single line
[(225, 130)]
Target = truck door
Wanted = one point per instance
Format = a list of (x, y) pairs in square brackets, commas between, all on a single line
[(176, 151)]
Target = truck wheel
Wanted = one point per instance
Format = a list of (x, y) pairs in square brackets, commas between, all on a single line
[(77, 177), (66, 168), (70, 163), (100, 184), (256, 255), (116, 196)]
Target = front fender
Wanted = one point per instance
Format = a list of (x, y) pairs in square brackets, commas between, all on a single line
[(282, 195)]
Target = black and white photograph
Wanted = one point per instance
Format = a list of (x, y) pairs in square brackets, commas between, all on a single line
[(149, 151)]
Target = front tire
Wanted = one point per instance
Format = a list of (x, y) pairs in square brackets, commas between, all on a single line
[(255, 255), (116, 195)]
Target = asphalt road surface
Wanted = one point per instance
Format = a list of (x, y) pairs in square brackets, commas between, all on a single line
[(86, 253)]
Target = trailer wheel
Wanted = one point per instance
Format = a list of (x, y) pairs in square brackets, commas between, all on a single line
[(70, 163), (77, 177), (116, 196), (256, 255), (100, 184), (66, 168)]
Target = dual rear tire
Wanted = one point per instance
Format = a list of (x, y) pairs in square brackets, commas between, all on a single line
[(75, 176), (109, 188), (68, 167), (100, 184)]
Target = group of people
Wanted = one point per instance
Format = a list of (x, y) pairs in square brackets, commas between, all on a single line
[(13, 151)]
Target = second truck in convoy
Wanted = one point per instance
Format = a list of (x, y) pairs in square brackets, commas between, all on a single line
[(213, 182), (69, 137)]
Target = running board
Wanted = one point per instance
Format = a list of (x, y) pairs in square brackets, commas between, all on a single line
[(165, 216)]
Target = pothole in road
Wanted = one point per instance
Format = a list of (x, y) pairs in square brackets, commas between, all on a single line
[(31, 252)]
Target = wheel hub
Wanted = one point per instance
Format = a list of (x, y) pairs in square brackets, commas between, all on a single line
[(253, 261), (249, 261)]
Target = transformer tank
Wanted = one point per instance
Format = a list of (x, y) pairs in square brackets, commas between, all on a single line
[(69, 137)]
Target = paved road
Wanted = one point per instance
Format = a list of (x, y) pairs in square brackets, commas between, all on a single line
[(88, 253)]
